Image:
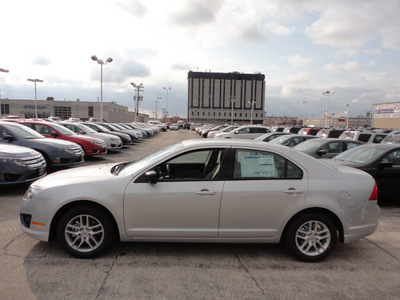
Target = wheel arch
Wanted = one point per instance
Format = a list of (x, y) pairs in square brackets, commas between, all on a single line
[(335, 219), (62, 210)]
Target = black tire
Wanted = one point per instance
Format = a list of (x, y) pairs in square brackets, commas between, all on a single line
[(311, 237), (86, 231)]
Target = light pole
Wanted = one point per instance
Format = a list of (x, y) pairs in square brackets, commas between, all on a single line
[(232, 104), (4, 71), (101, 63), (347, 114), (304, 109), (35, 81), (251, 111), (156, 101), (327, 94), (166, 103), (139, 88)]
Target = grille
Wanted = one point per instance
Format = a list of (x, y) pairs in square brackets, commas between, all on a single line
[(34, 162), (78, 151)]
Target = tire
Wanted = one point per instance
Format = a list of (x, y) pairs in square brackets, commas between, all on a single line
[(311, 237), (86, 232)]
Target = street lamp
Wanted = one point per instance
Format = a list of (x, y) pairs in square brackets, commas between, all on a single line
[(304, 109), (232, 104), (35, 80), (156, 101), (347, 114), (251, 113), (101, 63), (327, 94), (166, 103), (4, 71), (139, 88)]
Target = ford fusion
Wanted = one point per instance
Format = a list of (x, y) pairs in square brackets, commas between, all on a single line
[(205, 191)]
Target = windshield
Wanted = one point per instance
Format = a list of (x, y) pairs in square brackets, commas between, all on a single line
[(309, 146), (137, 165), (360, 154), (23, 131), (87, 129), (280, 140), (62, 129)]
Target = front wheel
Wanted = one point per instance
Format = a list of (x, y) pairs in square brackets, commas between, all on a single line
[(311, 237), (85, 232)]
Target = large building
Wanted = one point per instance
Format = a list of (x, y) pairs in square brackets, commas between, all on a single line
[(226, 97), (387, 115), (112, 112)]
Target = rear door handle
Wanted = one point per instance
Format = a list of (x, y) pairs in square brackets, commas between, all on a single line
[(205, 192), (292, 191)]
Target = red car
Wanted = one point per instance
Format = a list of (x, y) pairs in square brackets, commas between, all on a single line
[(91, 146)]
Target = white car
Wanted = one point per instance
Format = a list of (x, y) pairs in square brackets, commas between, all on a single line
[(249, 132), (205, 191)]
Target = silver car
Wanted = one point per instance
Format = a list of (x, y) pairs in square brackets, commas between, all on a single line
[(205, 191)]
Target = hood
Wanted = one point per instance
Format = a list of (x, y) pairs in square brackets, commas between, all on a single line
[(81, 175), (15, 151), (55, 142)]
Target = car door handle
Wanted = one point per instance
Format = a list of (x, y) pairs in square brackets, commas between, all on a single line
[(205, 192), (293, 191)]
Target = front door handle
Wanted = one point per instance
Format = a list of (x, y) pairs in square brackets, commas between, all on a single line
[(206, 192), (293, 191)]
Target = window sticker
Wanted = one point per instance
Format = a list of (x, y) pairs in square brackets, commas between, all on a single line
[(253, 165)]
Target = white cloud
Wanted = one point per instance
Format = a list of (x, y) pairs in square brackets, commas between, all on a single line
[(298, 61)]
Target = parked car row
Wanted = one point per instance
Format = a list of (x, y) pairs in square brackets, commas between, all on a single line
[(30, 148)]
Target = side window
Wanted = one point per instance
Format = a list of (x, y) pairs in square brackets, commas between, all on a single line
[(264, 165), (196, 165), (378, 138), (335, 147), (244, 130), (3, 133), (351, 145), (393, 157), (364, 137)]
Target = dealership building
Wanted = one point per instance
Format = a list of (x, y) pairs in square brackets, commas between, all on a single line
[(226, 97), (112, 112)]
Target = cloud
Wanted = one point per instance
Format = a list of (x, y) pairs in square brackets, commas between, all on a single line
[(197, 12), (133, 7), (41, 61), (298, 61)]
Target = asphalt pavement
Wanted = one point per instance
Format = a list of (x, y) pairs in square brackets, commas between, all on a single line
[(366, 269)]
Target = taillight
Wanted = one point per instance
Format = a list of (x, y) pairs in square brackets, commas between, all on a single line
[(374, 194)]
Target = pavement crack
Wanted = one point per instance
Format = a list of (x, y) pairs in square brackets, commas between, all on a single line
[(383, 249), (246, 269), (106, 277)]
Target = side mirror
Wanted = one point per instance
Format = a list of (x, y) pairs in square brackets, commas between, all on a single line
[(384, 165), (8, 137), (151, 176), (321, 152), (54, 134)]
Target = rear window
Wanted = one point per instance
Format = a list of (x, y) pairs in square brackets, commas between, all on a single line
[(364, 137)]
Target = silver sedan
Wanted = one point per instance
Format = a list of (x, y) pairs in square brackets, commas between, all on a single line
[(205, 191)]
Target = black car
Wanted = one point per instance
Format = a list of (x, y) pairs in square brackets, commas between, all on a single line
[(57, 153), (382, 161)]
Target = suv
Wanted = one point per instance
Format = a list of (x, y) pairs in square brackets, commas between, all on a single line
[(363, 136), (57, 153)]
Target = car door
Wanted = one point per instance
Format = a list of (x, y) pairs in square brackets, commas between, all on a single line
[(265, 190), (185, 201), (388, 176)]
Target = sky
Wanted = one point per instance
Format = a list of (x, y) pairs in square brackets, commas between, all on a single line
[(304, 47)]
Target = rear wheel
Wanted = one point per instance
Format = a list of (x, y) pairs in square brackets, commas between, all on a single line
[(86, 231), (311, 237)]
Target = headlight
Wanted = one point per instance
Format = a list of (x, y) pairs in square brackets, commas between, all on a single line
[(13, 161), (31, 193), (100, 144)]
